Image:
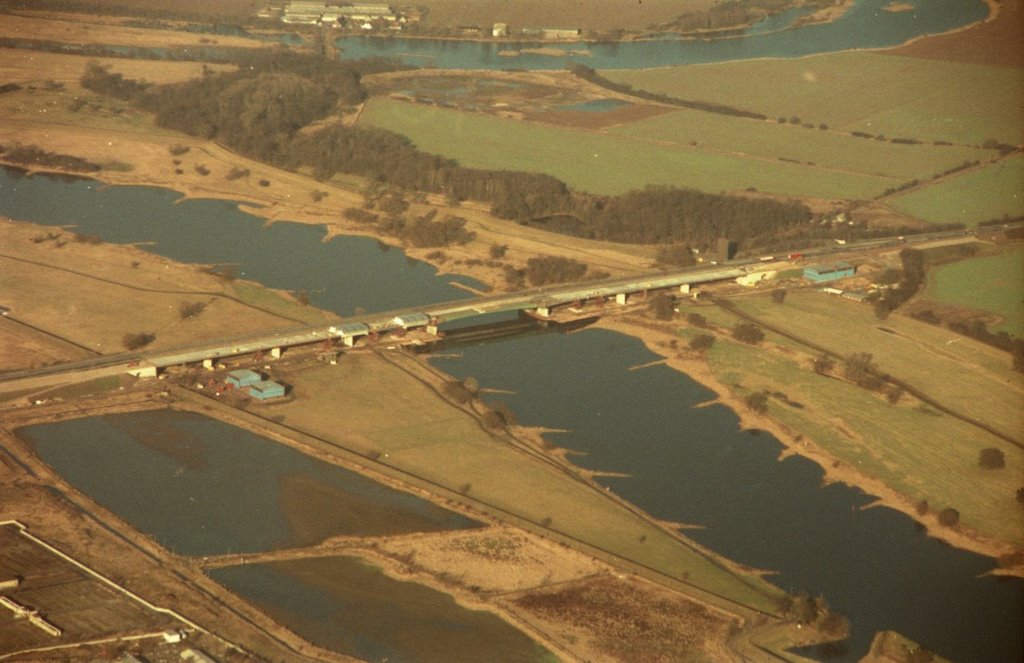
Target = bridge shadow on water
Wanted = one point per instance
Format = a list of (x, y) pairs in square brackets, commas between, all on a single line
[(500, 326)]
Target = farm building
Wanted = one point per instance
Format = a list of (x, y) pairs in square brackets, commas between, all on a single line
[(500, 30), (265, 389), (839, 270), (243, 378)]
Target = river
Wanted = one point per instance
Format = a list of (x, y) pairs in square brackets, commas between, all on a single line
[(689, 465), (865, 25)]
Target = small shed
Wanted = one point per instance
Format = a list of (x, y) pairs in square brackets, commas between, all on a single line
[(410, 320), (243, 377), (266, 389), (839, 270)]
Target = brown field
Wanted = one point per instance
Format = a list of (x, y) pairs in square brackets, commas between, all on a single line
[(92, 294), (617, 617), (85, 29), (223, 9), (27, 67), (583, 14), (997, 42)]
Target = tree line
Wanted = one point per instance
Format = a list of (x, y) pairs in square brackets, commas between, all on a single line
[(259, 109), (589, 75)]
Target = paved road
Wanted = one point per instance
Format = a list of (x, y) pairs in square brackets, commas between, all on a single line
[(523, 300)]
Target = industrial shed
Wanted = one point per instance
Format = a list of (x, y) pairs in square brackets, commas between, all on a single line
[(266, 389), (410, 320), (243, 377), (839, 270)]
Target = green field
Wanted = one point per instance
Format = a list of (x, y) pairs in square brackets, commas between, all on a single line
[(771, 140), (858, 91), (912, 448), (604, 163), (372, 406), (992, 283), (979, 195), (985, 387)]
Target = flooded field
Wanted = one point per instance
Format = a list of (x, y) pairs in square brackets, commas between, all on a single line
[(202, 487), (346, 605)]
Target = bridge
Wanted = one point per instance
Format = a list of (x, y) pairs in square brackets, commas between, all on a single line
[(538, 301)]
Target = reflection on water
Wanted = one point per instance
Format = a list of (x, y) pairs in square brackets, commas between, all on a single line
[(345, 605), (201, 487), (694, 465)]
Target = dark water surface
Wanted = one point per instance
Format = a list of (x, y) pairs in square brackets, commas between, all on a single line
[(199, 486), (345, 605), (339, 275), (694, 465)]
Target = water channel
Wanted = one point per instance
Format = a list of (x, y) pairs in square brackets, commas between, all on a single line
[(688, 465), (865, 25)]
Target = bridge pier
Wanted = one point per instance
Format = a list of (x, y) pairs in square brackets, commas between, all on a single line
[(208, 364), (543, 311), (143, 371), (622, 298), (685, 288), (275, 353)]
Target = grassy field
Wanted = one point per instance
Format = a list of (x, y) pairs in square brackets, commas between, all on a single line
[(985, 386), (913, 449), (771, 140), (991, 283), (979, 195), (870, 92), (377, 407), (601, 163)]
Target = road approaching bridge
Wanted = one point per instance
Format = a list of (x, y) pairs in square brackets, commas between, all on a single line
[(539, 301)]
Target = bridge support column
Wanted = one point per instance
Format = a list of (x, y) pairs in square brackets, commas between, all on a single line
[(543, 311), (621, 298), (143, 372), (350, 341), (275, 353), (685, 288), (432, 330), (208, 364)]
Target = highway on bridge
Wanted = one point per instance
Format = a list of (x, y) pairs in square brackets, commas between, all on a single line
[(532, 299)]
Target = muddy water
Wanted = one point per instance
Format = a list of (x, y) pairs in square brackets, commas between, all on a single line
[(201, 487), (346, 605)]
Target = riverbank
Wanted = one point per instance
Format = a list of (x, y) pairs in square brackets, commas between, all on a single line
[(659, 339)]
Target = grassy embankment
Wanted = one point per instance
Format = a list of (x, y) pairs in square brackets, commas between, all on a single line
[(990, 283), (987, 193), (910, 447), (394, 412)]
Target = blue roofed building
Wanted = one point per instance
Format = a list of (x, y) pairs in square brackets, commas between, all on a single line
[(243, 377), (266, 389), (819, 273)]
